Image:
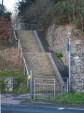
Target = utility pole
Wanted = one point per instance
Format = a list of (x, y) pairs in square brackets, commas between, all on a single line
[(2, 8), (69, 50), (2, 2)]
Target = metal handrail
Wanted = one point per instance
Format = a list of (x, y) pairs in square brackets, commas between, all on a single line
[(22, 56), (14, 34)]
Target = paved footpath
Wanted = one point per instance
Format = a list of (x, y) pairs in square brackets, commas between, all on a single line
[(37, 108), (13, 99)]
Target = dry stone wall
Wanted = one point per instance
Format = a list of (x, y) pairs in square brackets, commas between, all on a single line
[(77, 66), (57, 38)]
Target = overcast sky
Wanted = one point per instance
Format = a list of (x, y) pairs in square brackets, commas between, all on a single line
[(10, 4)]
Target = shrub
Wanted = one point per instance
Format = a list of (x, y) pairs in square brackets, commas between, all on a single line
[(70, 98), (59, 55), (5, 31), (65, 12)]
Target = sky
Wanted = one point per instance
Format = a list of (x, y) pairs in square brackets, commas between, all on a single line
[(10, 4)]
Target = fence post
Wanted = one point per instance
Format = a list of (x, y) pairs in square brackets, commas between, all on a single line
[(54, 89), (67, 85), (31, 91)]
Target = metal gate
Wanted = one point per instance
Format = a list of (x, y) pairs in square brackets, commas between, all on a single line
[(26, 26), (43, 89)]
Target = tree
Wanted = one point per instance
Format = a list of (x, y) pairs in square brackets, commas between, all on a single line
[(33, 9), (7, 15), (22, 5), (2, 9)]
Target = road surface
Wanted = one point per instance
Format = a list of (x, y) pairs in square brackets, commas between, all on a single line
[(37, 108)]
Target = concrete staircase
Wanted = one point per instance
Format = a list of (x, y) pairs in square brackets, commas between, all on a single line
[(28, 41), (38, 61)]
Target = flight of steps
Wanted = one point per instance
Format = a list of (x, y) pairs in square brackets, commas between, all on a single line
[(38, 61), (28, 41)]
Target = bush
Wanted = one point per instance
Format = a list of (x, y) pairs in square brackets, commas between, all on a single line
[(20, 82), (59, 55), (71, 98), (65, 12), (5, 29)]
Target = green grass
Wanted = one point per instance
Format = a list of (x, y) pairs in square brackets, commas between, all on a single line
[(64, 12), (4, 74), (21, 86), (70, 98), (59, 55)]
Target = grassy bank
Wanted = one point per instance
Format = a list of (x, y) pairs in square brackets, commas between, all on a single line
[(8, 73), (70, 98), (20, 82)]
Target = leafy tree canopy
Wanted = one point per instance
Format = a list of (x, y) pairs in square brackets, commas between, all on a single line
[(60, 11)]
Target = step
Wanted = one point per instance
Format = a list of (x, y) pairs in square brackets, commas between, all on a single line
[(40, 63), (28, 41)]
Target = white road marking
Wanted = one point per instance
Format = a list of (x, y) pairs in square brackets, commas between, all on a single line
[(61, 108)]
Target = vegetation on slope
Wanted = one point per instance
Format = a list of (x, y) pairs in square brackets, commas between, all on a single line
[(60, 11), (70, 99), (33, 9), (9, 73), (5, 29), (19, 84), (12, 79), (5, 23), (67, 11)]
